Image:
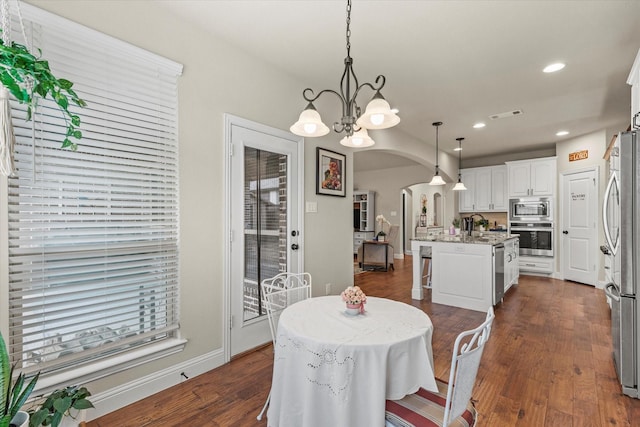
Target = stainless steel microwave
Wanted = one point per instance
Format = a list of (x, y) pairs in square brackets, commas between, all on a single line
[(538, 209)]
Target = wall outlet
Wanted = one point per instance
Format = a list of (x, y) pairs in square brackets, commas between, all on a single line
[(328, 288)]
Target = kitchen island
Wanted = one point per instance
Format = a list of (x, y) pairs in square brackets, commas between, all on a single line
[(471, 272)]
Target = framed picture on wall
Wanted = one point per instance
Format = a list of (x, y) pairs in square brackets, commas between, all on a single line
[(330, 173)]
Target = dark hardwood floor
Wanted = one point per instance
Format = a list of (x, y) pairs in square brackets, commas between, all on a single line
[(548, 363)]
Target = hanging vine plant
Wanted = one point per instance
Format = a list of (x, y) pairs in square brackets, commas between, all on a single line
[(26, 76)]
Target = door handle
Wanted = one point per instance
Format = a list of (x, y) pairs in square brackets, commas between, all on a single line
[(612, 292), (565, 232), (294, 247)]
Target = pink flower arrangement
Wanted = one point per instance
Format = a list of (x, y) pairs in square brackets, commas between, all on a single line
[(353, 295)]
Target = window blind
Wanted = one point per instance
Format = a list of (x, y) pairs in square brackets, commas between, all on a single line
[(93, 234)]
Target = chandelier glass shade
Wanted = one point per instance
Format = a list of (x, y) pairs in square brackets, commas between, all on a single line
[(377, 115), (459, 185), (437, 179), (359, 139)]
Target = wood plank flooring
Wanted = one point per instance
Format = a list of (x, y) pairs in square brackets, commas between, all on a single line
[(548, 363)]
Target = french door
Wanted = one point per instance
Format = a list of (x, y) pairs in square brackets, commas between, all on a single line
[(265, 224)]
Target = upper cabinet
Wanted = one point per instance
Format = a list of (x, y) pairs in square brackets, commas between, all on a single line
[(634, 81), (535, 177), (486, 189), (364, 214)]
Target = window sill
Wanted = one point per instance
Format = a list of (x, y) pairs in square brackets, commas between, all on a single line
[(94, 371)]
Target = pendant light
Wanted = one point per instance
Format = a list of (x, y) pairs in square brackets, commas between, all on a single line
[(437, 179), (377, 115), (460, 185)]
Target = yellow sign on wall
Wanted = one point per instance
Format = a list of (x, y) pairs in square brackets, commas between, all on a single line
[(578, 155)]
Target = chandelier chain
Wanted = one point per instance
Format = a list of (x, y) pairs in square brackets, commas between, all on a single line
[(348, 28)]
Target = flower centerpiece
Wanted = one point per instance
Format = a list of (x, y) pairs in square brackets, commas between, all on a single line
[(355, 299), (382, 220)]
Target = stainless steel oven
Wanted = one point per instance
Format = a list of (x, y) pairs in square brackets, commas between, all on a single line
[(539, 209), (536, 238)]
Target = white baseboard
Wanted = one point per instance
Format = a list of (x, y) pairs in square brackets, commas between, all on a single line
[(125, 394), (398, 256)]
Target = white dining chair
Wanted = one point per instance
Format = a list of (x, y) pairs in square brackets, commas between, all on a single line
[(278, 293), (451, 405)]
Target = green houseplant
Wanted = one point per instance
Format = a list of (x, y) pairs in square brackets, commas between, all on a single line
[(58, 404), (25, 76), (12, 394)]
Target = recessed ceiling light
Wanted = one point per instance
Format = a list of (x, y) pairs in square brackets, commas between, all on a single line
[(479, 125), (457, 149), (395, 110), (562, 133), (552, 68)]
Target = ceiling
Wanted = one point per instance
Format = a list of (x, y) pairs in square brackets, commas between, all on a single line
[(458, 62)]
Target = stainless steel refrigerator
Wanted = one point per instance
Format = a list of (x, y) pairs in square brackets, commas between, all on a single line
[(621, 217)]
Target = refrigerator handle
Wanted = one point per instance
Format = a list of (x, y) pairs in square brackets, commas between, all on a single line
[(612, 292), (613, 180)]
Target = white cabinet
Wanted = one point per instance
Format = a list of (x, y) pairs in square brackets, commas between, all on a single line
[(536, 264), (535, 177), (634, 81), (467, 198), (364, 208), (364, 217), (486, 189), (511, 263)]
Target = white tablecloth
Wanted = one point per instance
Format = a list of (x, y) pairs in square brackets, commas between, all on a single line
[(332, 369)]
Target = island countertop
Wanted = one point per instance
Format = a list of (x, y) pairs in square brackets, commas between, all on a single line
[(490, 238)]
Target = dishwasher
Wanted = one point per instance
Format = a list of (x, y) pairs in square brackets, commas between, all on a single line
[(498, 273)]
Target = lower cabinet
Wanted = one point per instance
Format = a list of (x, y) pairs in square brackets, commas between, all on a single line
[(511, 263), (536, 264)]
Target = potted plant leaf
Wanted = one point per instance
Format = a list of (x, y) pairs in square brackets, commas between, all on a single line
[(26, 75), (13, 394), (58, 405)]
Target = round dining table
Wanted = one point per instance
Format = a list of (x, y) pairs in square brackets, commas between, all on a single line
[(335, 369)]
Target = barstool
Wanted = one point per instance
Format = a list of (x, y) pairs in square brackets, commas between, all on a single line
[(425, 254)]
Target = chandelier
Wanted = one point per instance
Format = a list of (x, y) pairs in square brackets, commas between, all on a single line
[(459, 185), (377, 115), (437, 179)]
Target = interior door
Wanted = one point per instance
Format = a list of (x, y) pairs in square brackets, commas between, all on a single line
[(579, 227), (265, 225)]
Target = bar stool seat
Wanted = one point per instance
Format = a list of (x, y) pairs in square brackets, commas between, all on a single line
[(425, 254)]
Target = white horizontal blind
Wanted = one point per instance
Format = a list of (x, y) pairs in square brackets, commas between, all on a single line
[(93, 234)]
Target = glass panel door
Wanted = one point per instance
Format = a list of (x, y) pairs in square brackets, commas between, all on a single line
[(265, 224)]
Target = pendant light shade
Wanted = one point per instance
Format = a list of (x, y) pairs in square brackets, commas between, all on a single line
[(309, 123), (437, 179), (360, 139), (459, 185)]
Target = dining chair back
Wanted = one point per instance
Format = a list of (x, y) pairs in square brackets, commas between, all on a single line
[(281, 291), (452, 404), (278, 293)]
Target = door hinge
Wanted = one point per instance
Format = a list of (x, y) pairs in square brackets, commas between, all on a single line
[(231, 322)]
